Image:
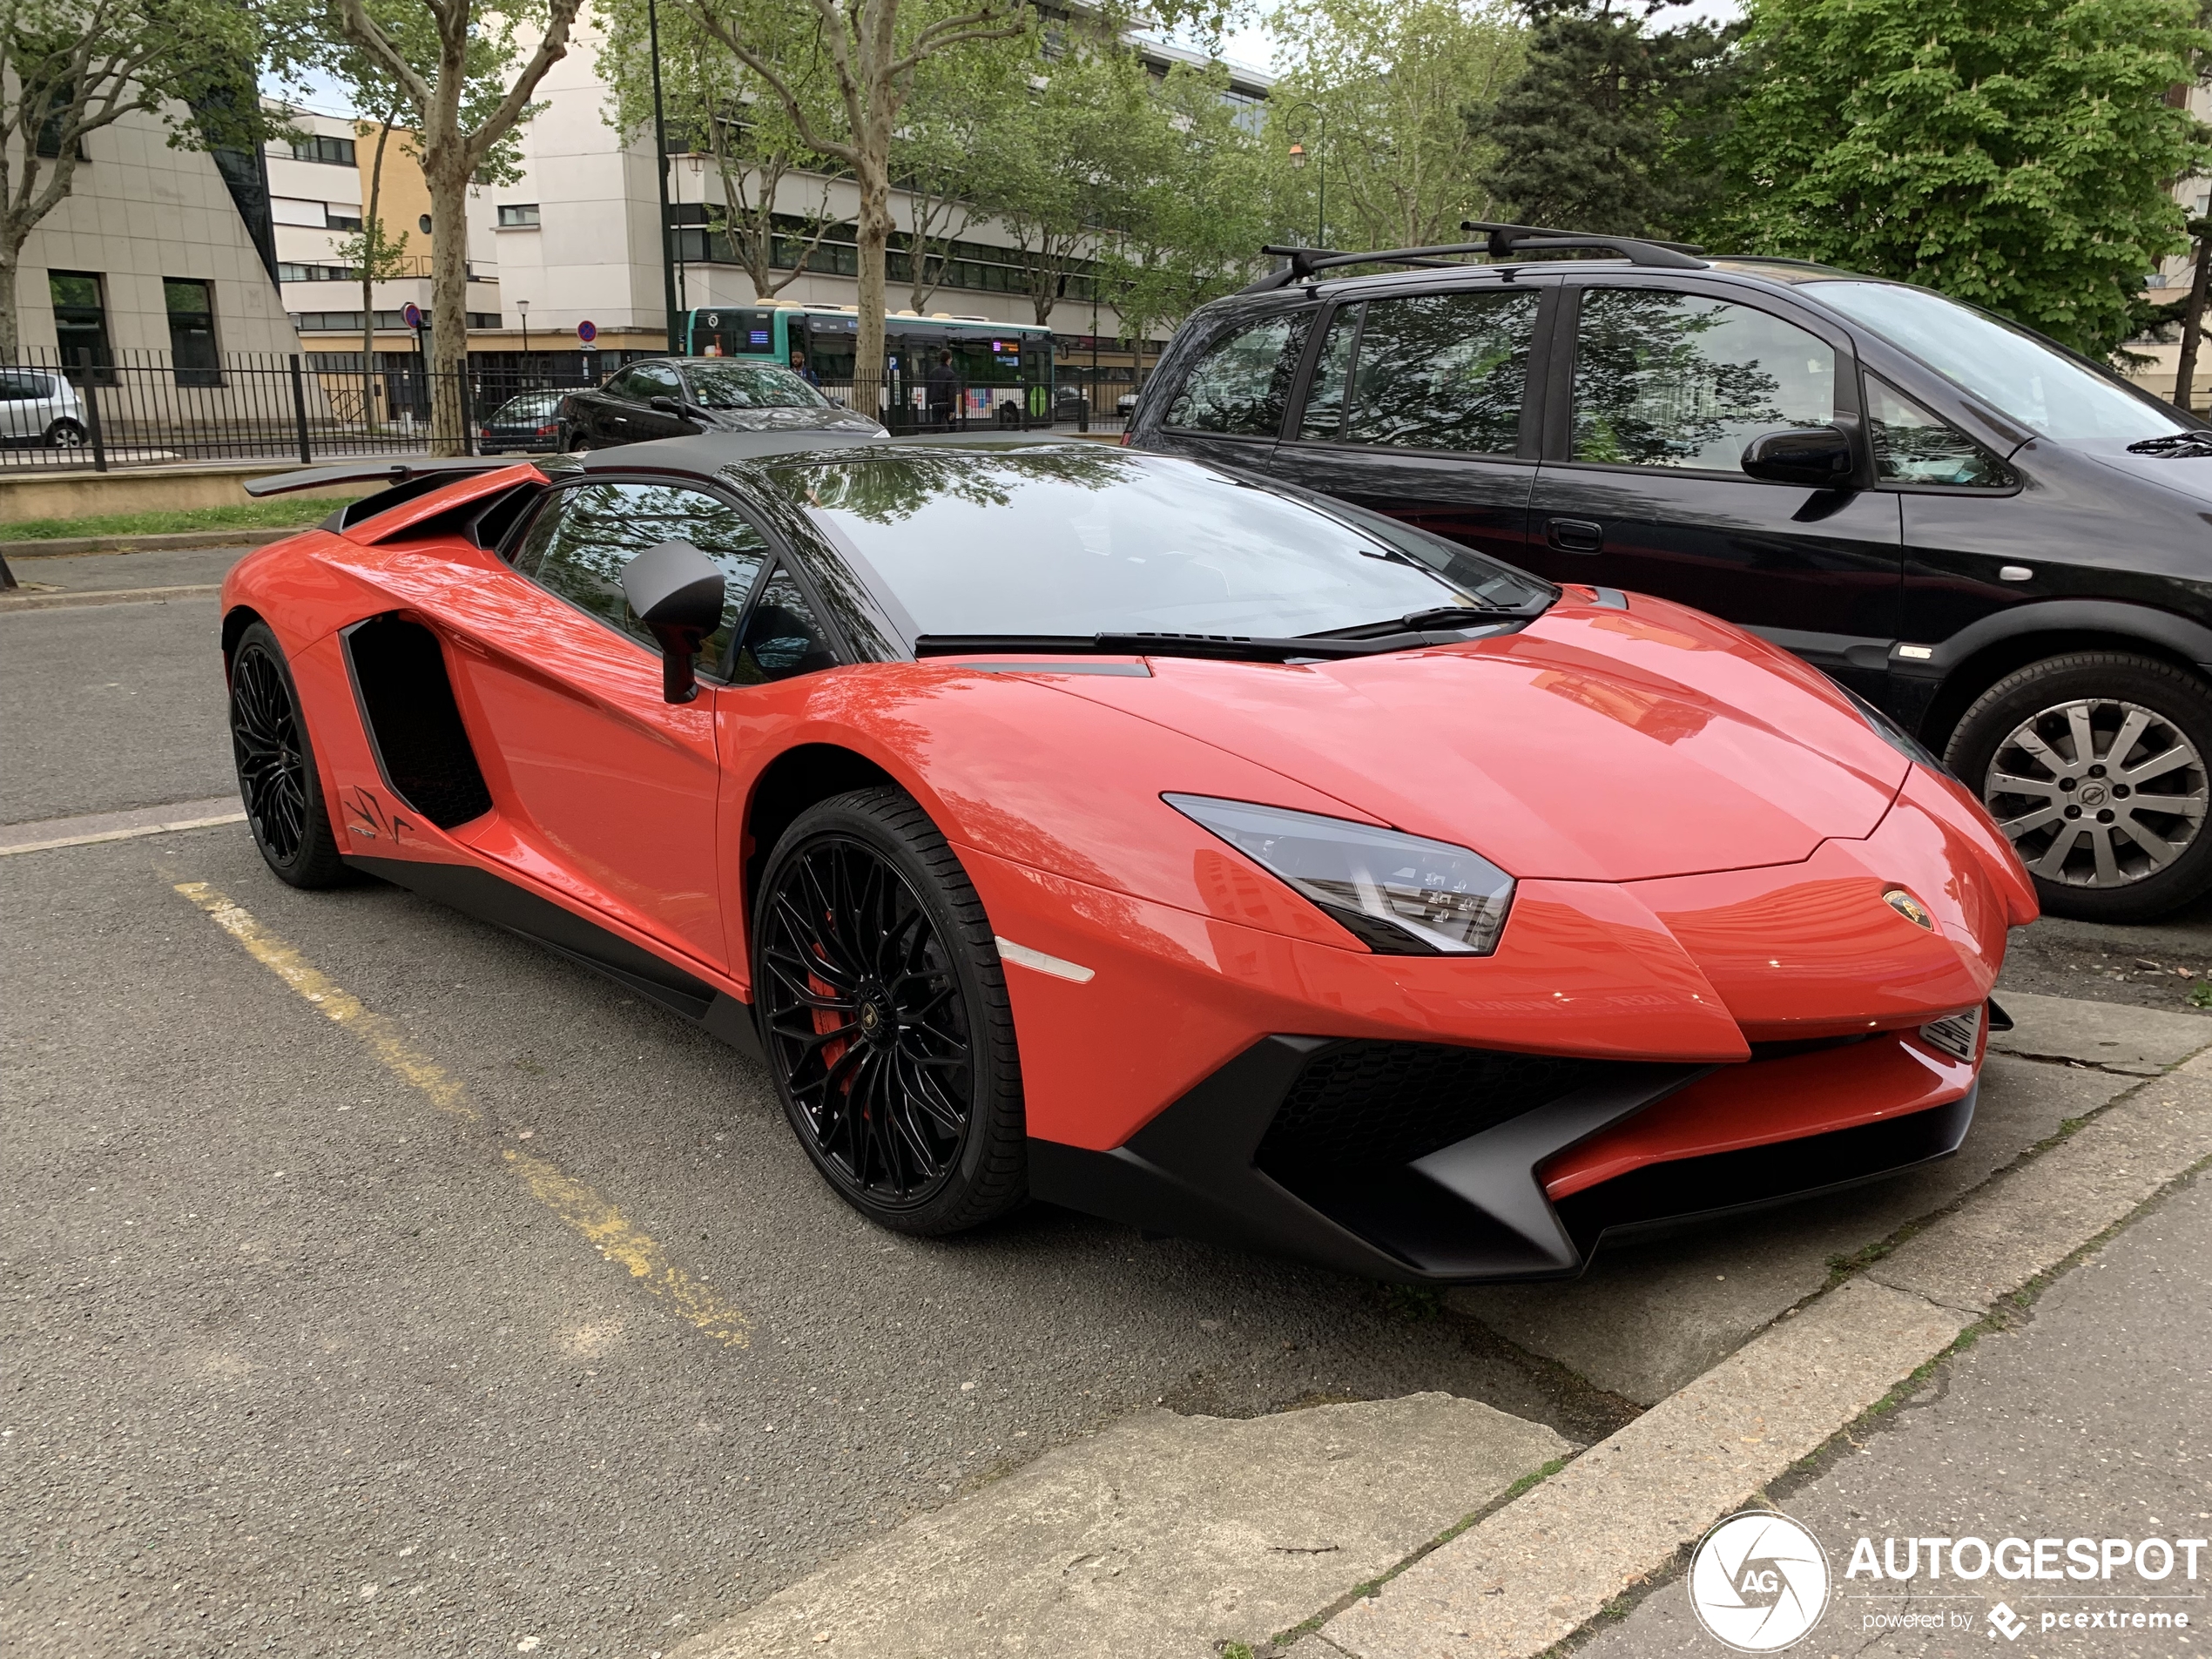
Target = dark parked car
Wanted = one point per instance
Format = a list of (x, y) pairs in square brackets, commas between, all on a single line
[(676, 397), (527, 424), (2000, 544)]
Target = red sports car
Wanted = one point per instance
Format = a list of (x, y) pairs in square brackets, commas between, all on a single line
[(1055, 820)]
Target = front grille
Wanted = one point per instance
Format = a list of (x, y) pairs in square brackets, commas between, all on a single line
[(1364, 1104)]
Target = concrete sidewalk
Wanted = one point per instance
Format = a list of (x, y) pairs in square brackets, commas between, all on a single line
[(1752, 1345)]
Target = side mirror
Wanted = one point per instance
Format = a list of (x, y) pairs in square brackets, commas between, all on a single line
[(1811, 457), (666, 404), (677, 592)]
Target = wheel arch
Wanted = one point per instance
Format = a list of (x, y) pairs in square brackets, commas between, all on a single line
[(1978, 656), (794, 780), (236, 620)]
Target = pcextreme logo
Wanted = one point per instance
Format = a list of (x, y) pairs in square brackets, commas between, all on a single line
[(1758, 1581)]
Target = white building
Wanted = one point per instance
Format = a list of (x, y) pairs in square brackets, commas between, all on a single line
[(2171, 282), (576, 238), (153, 249)]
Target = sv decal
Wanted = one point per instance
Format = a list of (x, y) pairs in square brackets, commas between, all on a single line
[(366, 817)]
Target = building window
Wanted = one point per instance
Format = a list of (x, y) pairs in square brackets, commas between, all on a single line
[(288, 272), (316, 147), (49, 142), (80, 318), (192, 331), (518, 213), (334, 220)]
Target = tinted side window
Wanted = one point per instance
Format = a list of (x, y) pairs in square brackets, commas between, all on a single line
[(1443, 371), (1677, 380), (582, 537), (650, 381), (1323, 417), (782, 637), (1913, 447), (1241, 382)]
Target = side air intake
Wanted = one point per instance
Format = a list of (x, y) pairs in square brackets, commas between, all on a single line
[(406, 703)]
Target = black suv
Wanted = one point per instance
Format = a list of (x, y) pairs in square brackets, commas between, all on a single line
[(680, 397), (2002, 545)]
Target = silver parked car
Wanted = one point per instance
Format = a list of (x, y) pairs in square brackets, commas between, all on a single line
[(39, 408)]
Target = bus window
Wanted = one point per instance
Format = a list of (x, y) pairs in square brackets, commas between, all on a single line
[(748, 331)]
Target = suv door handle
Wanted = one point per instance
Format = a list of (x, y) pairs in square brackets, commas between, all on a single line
[(1575, 534)]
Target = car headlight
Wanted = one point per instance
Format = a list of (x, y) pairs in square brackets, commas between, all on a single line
[(1397, 893)]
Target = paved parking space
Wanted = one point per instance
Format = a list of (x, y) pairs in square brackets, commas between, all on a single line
[(303, 1358)]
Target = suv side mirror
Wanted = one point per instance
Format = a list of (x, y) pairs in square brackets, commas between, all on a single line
[(1811, 457), (676, 591)]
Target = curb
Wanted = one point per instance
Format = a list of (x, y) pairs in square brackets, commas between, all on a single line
[(62, 546), (65, 600), (1539, 1570)]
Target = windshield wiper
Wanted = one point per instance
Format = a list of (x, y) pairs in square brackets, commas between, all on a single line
[(1456, 617), (1224, 647)]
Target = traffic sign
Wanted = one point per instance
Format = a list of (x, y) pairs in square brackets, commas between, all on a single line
[(411, 314), (587, 332)]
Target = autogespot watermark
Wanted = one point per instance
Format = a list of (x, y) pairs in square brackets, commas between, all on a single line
[(1759, 1582)]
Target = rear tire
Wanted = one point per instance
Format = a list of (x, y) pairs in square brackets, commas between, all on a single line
[(278, 780), (884, 1011), (2096, 766), (66, 435)]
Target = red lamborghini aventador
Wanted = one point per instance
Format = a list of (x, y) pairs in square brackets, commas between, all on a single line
[(1055, 820)]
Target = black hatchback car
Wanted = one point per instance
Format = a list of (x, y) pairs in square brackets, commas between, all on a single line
[(2000, 544), (679, 397)]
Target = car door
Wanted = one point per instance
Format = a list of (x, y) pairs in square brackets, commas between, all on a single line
[(1418, 405), (20, 405), (1230, 407), (1655, 386), (631, 416), (616, 788)]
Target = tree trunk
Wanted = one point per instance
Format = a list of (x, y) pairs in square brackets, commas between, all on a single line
[(372, 244), (2193, 319), (448, 178), (875, 244), (11, 337)]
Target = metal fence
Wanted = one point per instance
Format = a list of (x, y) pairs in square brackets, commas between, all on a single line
[(143, 408)]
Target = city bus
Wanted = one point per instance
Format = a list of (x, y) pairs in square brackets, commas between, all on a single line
[(1003, 369)]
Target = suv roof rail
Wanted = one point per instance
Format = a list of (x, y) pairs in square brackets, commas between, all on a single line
[(1500, 242)]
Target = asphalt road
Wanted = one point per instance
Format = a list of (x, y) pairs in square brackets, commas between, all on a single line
[(301, 1356), (2030, 1433)]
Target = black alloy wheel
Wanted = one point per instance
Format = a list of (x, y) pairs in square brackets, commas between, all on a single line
[(277, 779), (884, 1011), (2094, 766)]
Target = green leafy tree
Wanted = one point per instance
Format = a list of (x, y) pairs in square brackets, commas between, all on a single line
[(713, 102), (1216, 192), (1612, 126), (1376, 91), (71, 68), (2017, 154), (463, 72)]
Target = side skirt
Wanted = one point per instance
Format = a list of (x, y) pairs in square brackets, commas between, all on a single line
[(488, 898)]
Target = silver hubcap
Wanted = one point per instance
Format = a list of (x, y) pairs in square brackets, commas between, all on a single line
[(2097, 794)]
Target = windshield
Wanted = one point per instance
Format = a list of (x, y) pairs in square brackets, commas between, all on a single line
[(2008, 368), (1083, 539), (750, 386)]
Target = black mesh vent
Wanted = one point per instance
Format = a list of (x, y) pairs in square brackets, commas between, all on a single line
[(1367, 1104), (408, 703)]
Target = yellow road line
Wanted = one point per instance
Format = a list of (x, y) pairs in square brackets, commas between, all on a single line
[(599, 1222)]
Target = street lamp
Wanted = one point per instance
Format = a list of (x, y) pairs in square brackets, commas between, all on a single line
[(660, 168), (1320, 168), (524, 306)]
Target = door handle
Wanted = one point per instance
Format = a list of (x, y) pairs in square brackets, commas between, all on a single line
[(1575, 534)]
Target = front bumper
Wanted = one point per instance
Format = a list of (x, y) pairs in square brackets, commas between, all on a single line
[(1429, 1163)]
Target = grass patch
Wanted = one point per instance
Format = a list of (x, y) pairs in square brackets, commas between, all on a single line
[(285, 514)]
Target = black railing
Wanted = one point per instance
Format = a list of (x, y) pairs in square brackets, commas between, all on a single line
[(142, 409)]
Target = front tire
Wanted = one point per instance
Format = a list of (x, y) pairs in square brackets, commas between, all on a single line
[(278, 780), (66, 435), (2096, 766), (884, 1011)]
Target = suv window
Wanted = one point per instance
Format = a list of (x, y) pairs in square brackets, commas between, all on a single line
[(1677, 380), (1913, 447), (1242, 383), (1432, 371), (583, 536)]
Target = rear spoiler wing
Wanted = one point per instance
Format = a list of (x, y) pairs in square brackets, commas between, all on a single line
[(386, 471)]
